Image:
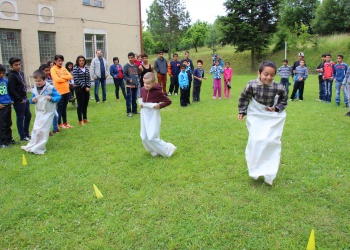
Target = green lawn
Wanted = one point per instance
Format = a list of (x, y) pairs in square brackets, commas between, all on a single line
[(200, 198)]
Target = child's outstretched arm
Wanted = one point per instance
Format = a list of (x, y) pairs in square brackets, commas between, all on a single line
[(243, 101)]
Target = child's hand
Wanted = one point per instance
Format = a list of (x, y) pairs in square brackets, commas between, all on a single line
[(240, 117), (2, 106), (48, 98), (87, 89), (271, 109), (300, 79), (156, 107), (34, 100)]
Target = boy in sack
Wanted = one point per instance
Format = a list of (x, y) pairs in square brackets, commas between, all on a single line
[(151, 101), (45, 97)]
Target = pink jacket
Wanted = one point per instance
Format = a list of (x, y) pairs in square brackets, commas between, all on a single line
[(227, 73)]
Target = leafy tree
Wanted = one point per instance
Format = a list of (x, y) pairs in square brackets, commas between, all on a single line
[(197, 34), (249, 25), (214, 37), (332, 16), (167, 21), (148, 43)]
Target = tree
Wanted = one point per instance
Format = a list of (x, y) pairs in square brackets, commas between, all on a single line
[(213, 40), (332, 16), (197, 34), (249, 25), (167, 21), (148, 43)]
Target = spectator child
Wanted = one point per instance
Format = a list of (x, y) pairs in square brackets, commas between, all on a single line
[(227, 80), (189, 75), (198, 76), (5, 112), (44, 96), (69, 66), (174, 71), (340, 70), (285, 71), (116, 71), (151, 101), (184, 86), (217, 70), (301, 73), (319, 69), (132, 81), (18, 91), (328, 76), (265, 121)]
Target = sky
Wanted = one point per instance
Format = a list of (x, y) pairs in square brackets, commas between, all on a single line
[(204, 10)]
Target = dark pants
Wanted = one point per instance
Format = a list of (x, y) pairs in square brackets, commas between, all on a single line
[(298, 86), (320, 88), (101, 81), (5, 125), (118, 82), (71, 89), (184, 98), (285, 83), (174, 83), (62, 108), (131, 96), (196, 92), (327, 88), (83, 102), (23, 116)]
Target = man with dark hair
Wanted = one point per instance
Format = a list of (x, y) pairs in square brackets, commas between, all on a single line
[(319, 69), (99, 71), (132, 81), (18, 91), (174, 69), (161, 67)]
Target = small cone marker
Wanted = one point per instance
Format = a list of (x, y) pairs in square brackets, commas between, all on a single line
[(97, 192), (24, 160), (311, 245)]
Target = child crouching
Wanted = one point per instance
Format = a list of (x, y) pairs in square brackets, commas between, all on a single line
[(44, 96), (151, 101)]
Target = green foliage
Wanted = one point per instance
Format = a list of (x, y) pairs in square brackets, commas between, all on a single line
[(332, 16), (214, 37), (200, 198), (148, 43), (167, 21), (249, 25), (196, 34)]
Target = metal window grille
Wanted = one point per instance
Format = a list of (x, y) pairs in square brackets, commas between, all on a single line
[(47, 46), (92, 43), (10, 46)]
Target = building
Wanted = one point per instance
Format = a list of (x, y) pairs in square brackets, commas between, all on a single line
[(37, 30)]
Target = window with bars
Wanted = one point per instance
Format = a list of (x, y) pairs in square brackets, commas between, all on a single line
[(10, 46), (96, 3), (47, 46), (92, 43)]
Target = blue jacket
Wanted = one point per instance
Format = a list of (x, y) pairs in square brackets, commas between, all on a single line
[(174, 68), (48, 90), (114, 71), (340, 70), (5, 98), (216, 71), (183, 79)]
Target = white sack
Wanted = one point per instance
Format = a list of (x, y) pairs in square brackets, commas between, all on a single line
[(150, 131), (45, 111), (263, 151)]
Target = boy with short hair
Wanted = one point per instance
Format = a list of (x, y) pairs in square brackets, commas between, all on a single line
[(174, 71), (301, 73), (328, 76), (151, 101), (18, 91), (183, 82), (285, 71), (340, 70), (45, 97), (5, 112), (319, 69), (189, 75), (132, 81), (198, 76)]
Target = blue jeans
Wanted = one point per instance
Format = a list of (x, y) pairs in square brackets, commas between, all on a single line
[(101, 81), (23, 116), (55, 122), (131, 95), (327, 90), (337, 92), (285, 83)]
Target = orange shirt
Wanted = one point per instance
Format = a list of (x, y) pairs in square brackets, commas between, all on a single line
[(60, 77)]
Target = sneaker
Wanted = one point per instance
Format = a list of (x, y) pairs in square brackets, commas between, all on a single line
[(91, 98), (98, 102), (291, 100), (62, 126), (319, 100), (129, 115), (169, 94), (219, 98), (50, 134), (136, 113), (175, 94), (56, 131), (25, 139), (300, 100), (68, 126), (104, 101), (86, 121), (347, 114), (81, 123), (74, 105), (72, 99), (214, 97)]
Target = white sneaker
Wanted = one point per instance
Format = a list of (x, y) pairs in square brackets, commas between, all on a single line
[(169, 94), (175, 94)]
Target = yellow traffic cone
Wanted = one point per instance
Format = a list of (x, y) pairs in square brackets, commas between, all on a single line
[(24, 160), (311, 245), (97, 192)]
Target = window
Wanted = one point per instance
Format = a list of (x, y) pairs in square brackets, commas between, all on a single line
[(94, 42), (10, 46), (96, 3), (47, 46)]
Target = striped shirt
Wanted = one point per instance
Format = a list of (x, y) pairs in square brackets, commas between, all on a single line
[(263, 94), (81, 78), (285, 71), (301, 72)]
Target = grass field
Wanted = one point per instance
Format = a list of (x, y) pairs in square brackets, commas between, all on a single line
[(200, 198)]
